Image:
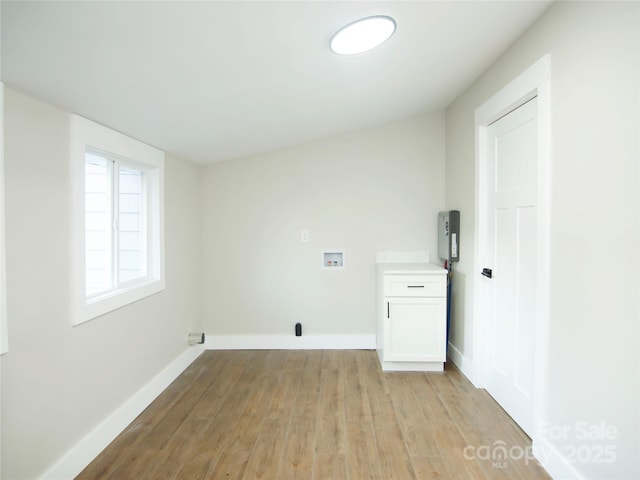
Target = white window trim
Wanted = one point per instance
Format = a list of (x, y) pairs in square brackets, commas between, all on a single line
[(4, 339), (87, 134)]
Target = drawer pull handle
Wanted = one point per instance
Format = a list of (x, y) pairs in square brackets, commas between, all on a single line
[(415, 286)]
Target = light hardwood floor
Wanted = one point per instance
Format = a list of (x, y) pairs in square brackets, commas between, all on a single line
[(316, 415)]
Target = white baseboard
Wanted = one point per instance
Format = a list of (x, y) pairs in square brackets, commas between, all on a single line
[(463, 363), (81, 455), (553, 462), (548, 456), (290, 342)]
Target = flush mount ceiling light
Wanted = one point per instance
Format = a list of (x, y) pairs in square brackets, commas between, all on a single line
[(363, 35)]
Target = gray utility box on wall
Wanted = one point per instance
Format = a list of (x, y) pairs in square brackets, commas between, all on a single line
[(449, 235)]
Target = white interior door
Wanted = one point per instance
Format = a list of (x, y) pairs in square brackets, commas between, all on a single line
[(511, 256)]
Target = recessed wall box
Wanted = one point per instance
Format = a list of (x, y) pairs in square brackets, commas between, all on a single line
[(332, 259)]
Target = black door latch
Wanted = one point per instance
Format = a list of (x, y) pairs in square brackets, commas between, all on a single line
[(487, 272)]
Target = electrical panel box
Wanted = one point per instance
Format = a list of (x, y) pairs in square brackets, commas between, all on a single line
[(449, 235)]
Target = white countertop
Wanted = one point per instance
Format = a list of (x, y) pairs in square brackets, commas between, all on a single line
[(410, 268)]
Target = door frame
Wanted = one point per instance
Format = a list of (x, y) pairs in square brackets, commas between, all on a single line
[(533, 82)]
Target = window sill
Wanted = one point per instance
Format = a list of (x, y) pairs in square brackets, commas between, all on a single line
[(96, 307)]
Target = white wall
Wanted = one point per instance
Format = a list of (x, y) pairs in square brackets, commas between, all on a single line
[(59, 381), (373, 190), (593, 377)]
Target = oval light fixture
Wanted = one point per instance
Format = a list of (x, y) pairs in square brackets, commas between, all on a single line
[(363, 35)]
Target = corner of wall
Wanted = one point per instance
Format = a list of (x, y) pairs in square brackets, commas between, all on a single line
[(83, 453)]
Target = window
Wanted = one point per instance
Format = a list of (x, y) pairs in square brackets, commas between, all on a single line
[(118, 223), (115, 226)]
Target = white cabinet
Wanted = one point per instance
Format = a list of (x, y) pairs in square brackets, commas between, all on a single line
[(412, 317)]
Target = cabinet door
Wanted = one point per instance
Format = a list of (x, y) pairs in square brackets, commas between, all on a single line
[(415, 329)]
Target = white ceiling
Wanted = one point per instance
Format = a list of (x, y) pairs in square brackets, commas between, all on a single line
[(214, 81)]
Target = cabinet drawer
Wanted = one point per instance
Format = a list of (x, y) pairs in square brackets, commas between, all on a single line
[(415, 286)]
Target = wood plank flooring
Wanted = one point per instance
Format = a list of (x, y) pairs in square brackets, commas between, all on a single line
[(316, 415)]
